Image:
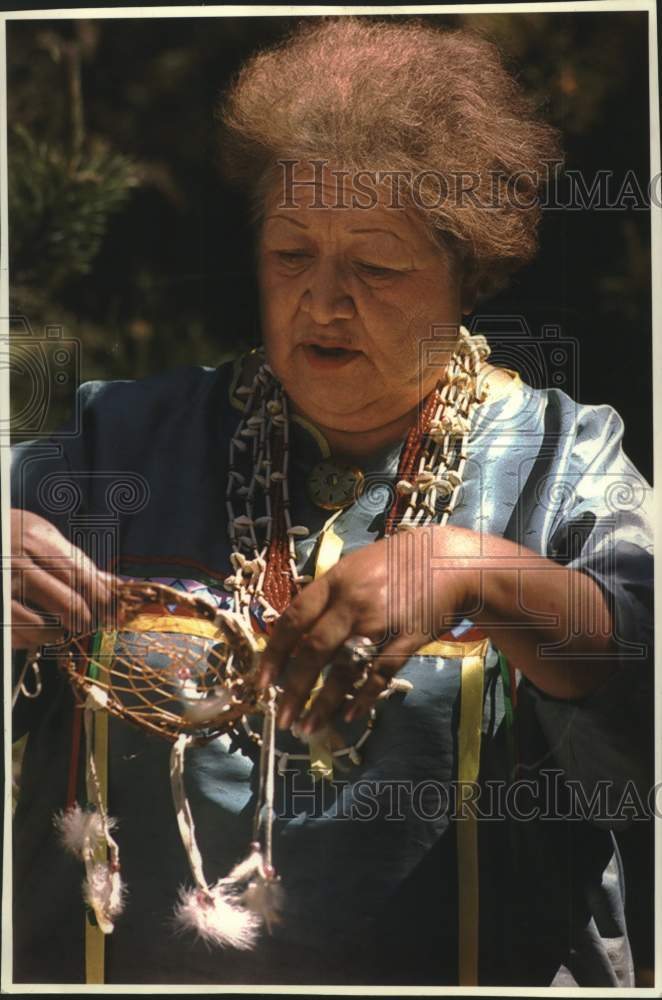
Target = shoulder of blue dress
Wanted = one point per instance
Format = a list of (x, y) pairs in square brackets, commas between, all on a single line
[(178, 391), (545, 406), (585, 418), (173, 383)]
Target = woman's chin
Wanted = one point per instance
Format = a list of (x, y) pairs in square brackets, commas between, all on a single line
[(329, 413), (331, 417), (330, 399)]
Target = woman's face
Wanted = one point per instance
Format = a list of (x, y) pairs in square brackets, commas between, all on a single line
[(348, 296)]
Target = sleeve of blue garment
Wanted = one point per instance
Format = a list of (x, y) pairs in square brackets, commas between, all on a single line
[(50, 477), (604, 528)]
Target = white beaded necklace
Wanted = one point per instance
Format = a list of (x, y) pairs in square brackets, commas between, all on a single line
[(431, 490)]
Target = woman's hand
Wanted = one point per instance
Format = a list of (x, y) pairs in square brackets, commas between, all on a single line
[(400, 592), (552, 623), (51, 575)]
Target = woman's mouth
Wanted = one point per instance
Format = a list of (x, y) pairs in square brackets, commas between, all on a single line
[(318, 356)]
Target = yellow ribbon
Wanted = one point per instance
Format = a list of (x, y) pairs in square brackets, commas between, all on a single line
[(469, 738), (329, 548), (452, 648), (152, 622)]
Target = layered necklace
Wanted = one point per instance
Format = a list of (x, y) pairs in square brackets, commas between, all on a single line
[(265, 577)]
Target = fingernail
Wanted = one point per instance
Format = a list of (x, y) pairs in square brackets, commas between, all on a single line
[(263, 678), (285, 716), (309, 725)]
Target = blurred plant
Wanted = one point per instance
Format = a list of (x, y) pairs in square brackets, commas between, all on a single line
[(567, 63), (59, 206), (62, 191)]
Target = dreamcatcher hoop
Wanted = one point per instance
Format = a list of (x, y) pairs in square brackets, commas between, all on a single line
[(199, 680)]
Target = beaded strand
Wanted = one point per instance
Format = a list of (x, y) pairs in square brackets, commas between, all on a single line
[(429, 478)]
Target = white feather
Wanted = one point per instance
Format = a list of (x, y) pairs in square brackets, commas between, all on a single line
[(216, 918), (247, 868), (104, 891), (265, 898), (73, 825)]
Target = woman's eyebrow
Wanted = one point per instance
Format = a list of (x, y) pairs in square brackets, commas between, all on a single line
[(388, 232), (286, 218)]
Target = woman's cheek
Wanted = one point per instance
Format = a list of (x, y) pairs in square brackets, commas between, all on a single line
[(384, 322)]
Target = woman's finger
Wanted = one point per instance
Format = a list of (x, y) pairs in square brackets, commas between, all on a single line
[(386, 665), (37, 539), (45, 592), (76, 571), (289, 629), (29, 630), (315, 650), (340, 682)]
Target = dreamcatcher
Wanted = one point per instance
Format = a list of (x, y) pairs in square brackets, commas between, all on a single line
[(177, 666)]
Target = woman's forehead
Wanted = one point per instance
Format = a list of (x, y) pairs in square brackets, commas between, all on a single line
[(386, 223), (353, 203)]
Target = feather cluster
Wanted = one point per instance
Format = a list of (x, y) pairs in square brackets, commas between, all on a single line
[(264, 897), (76, 827), (81, 833), (105, 892), (232, 912), (259, 889), (215, 917)]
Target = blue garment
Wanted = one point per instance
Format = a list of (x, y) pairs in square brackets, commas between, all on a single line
[(369, 860)]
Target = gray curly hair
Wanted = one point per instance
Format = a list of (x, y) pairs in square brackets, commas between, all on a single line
[(431, 103)]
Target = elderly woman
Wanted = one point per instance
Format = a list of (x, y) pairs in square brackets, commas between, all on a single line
[(451, 567)]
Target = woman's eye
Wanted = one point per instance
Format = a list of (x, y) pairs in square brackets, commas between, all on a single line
[(292, 258), (374, 270)]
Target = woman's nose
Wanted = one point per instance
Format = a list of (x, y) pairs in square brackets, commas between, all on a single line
[(326, 297)]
